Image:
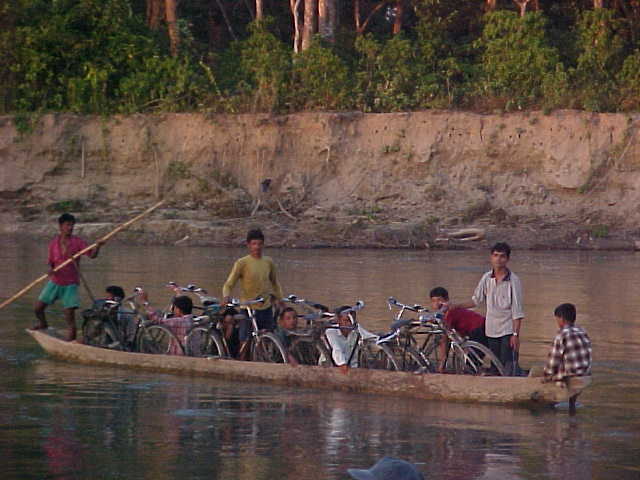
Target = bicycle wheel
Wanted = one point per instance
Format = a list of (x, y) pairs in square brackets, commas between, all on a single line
[(473, 358), (204, 342), (430, 352), (159, 340), (268, 348), (310, 351), (410, 360), (100, 333), (378, 357)]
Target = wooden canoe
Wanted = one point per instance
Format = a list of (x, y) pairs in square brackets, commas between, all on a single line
[(525, 391)]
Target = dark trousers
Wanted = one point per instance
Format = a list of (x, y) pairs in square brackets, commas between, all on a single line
[(502, 349), (479, 336), (264, 319)]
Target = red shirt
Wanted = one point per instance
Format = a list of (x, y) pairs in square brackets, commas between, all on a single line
[(464, 321), (69, 274)]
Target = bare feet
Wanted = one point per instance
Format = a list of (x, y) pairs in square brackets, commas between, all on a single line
[(71, 335), (40, 326)]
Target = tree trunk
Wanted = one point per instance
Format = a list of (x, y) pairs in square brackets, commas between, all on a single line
[(310, 21), (171, 16), (399, 13), (327, 19), (490, 5), (362, 26), (297, 36), (259, 10), (522, 5), (598, 3), (155, 12)]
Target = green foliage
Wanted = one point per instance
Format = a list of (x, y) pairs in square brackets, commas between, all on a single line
[(600, 59), (386, 73), (178, 170), (63, 206), (600, 231), (321, 80), (629, 81), (517, 60), (266, 65)]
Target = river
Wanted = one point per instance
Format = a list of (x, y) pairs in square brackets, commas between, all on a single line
[(65, 421)]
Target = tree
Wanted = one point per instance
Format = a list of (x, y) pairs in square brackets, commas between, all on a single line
[(172, 25), (310, 22), (327, 19), (297, 25)]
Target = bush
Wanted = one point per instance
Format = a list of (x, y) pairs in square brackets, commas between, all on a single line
[(600, 59), (386, 74), (629, 81), (320, 80), (517, 59)]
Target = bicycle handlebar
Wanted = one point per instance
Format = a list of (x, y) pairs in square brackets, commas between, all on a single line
[(391, 301), (297, 301), (235, 302)]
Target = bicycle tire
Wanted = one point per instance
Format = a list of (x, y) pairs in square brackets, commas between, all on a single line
[(376, 357), (473, 358), (100, 333), (268, 348), (157, 339), (310, 351), (204, 342), (410, 360), (430, 352)]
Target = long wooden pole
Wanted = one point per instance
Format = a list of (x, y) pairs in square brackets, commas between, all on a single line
[(80, 253)]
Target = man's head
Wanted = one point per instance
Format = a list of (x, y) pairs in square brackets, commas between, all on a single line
[(439, 298), (344, 317), (289, 319), (182, 305), (565, 314), (255, 242), (500, 254), (114, 292), (66, 222)]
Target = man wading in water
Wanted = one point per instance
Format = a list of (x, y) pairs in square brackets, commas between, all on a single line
[(63, 284), (257, 275)]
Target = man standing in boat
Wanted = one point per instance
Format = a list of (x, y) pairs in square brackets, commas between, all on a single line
[(257, 276), (63, 284), (501, 290)]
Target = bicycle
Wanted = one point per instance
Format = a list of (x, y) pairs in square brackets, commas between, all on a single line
[(106, 326), (264, 346), (464, 356)]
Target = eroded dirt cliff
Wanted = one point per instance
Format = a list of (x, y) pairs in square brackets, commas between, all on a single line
[(565, 180)]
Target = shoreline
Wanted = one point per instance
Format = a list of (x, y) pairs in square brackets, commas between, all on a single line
[(347, 233)]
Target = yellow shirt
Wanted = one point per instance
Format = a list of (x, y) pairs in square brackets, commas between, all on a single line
[(257, 278)]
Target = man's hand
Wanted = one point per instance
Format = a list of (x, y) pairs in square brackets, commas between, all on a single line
[(514, 342)]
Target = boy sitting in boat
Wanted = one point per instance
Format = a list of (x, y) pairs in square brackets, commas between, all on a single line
[(344, 339), (179, 323), (288, 323), (464, 321), (570, 354)]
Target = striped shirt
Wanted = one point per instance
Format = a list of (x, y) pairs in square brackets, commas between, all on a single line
[(504, 302), (570, 355)]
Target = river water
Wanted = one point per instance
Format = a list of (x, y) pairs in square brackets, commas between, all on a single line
[(65, 421)]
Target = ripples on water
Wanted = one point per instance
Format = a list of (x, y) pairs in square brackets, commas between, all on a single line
[(59, 420)]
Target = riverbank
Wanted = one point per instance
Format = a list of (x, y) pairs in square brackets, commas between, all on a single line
[(435, 179)]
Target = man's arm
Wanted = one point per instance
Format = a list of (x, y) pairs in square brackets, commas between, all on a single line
[(554, 360), (234, 275), (517, 311), (277, 289)]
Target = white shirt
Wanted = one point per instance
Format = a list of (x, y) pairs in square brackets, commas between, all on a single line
[(503, 300), (341, 346)]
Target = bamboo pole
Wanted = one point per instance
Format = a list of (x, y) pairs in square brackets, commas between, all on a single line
[(80, 253)]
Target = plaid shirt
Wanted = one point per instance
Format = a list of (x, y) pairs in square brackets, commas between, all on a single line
[(570, 355), (179, 326)]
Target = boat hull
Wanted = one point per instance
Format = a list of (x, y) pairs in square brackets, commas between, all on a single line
[(525, 391)]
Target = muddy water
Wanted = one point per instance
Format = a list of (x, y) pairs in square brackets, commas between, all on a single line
[(59, 420)]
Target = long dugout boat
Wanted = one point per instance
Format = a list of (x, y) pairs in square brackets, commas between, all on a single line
[(523, 391)]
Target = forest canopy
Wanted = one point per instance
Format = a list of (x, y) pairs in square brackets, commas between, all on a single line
[(126, 56)]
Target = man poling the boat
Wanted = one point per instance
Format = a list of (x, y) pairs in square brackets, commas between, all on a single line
[(63, 283)]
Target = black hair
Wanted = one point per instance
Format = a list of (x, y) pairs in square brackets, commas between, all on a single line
[(116, 291), (439, 292), (255, 234), (341, 309), (502, 247), (567, 312), (184, 303), (288, 309), (66, 217)]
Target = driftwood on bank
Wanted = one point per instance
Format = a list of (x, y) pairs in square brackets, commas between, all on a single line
[(461, 388)]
